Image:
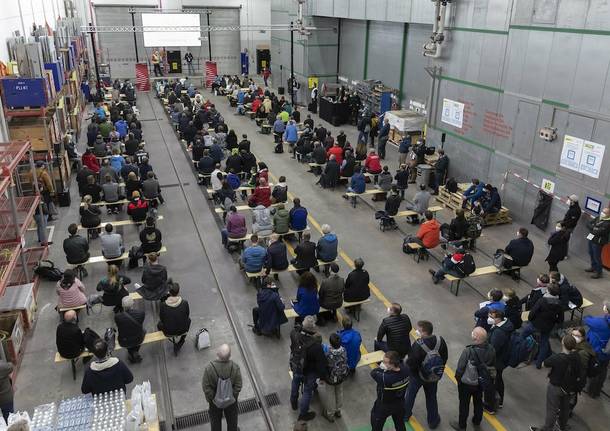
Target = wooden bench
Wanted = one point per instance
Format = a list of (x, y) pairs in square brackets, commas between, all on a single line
[(241, 188), (245, 208), (352, 196), (248, 235), (251, 114), (421, 252), (98, 259), (266, 129), (365, 360), (585, 304), (292, 314), (484, 270), (118, 223), (411, 213), (102, 203), (291, 268)]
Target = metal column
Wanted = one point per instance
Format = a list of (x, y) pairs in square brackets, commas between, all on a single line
[(135, 40), (24, 262), (291, 89), (209, 36), (97, 70)]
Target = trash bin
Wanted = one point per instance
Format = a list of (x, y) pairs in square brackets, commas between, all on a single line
[(424, 174)]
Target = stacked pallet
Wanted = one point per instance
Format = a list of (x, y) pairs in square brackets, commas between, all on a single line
[(454, 201)]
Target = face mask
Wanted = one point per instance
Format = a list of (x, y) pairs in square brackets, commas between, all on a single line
[(505, 298), (417, 333), (578, 338), (383, 366), (389, 311), (557, 228), (491, 321)]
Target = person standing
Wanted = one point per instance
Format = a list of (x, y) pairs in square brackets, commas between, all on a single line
[(564, 379), (338, 371), (384, 135), (188, 57), (499, 337), (558, 243), (598, 335), (156, 62), (599, 236), (572, 215), (222, 370), (6, 389), (479, 354), (395, 328), (426, 364), (441, 168), (392, 379), (266, 75)]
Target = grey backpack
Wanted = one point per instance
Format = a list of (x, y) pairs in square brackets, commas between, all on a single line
[(224, 391)]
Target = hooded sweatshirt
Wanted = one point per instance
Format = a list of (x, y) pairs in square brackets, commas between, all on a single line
[(327, 247), (262, 222), (351, 340), (174, 316), (105, 375)]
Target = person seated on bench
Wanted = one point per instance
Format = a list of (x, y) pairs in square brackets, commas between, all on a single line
[(276, 258), (281, 220), (420, 204), (521, 250), (70, 291), (262, 222), (491, 202), (372, 164), (268, 315), (318, 156), (235, 226), (90, 216), (304, 147), (568, 293), (93, 189), (455, 230), (131, 144), (291, 134), (150, 238), (473, 193), (244, 144), (357, 184), (76, 247), (130, 325), (105, 373), (348, 166), (280, 191), (331, 295), (351, 341), (494, 302), (328, 244), (428, 234), (336, 151), (112, 245), (234, 163), (113, 289), (206, 164), (106, 169), (474, 227), (306, 303), (450, 265), (330, 176), (297, 216), (395, 329), (110, 188), (392, 204), (69, 337), (537, 292), (384, 183), (253, 257), (151, 189), (305, 255), (137, 209), (402, 179), (174, 316), (513, 307), (154, 280), (357, 285), (198, 151), (261, 195), (132, 184)]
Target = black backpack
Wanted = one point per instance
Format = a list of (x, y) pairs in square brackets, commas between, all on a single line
[(299, 351), (46, 269), (573, 378), (467, 265), (594, 368), (451, 185)]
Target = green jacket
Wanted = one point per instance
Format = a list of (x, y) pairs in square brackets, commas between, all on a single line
[(281, 221), (105, 129), (225, 370)]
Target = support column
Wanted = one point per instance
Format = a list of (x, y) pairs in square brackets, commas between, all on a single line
[(402, 61), (366, 49)]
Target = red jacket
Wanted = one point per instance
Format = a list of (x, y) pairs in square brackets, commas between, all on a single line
[(91, 162), (429, 233), (256, 104), (373, 164), (138, 209), (261, 196), (337, 152)]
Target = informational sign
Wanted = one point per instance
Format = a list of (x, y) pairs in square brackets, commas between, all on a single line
[(591, 159), (582, 156), (453, 113), (548, 186), (312, 80)]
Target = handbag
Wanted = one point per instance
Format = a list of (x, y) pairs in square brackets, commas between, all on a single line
[(202, 341)]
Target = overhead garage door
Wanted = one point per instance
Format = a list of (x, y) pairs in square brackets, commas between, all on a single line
[(117, 49)]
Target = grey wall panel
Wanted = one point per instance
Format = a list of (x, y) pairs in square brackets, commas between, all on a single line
[(560, 76), (399, 10), (498, 14), (547, 154), (598, 14), (323, 7), (357, 9), (513, 66), (385, 52), (376, 10), (536, 63), (353, 35), (591, 73), (524, 129), (572, 14), (416, 80), (600, 135), (422, 12), (341, 8)]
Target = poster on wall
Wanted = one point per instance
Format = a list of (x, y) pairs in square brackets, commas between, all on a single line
[(591, 159), (453, 113), (571, 152)]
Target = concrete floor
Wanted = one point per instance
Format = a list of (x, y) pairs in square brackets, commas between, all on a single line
[(196, 259)]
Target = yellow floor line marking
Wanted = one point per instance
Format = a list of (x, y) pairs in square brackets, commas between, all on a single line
[(493, 421)]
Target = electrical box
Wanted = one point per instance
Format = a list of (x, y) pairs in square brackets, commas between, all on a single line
[(549, 134)]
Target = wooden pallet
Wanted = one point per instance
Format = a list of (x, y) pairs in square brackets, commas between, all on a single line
[(454, 202)]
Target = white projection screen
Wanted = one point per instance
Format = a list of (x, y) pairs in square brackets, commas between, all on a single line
[(155, 39)]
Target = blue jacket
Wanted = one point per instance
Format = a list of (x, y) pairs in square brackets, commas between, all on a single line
[(121, 127), (253, 258), (307, 302), (298, 218), (116, 163), (270, 310), (327, 247), (101, 113), (405, 145), (351, 340), (290, 134), (385, 131), (233, 181), (240, 97), (279, 126), (358, 183), (216, 153), (473, 193), (598, 334), (494, 203)]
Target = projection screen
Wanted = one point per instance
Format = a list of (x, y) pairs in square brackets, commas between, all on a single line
[(155, 39)]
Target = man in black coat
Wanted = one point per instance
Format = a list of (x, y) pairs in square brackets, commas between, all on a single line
[(154, 280), (69, 337), (150, 237), (81, 179), (441, 167), (129, 323), (174, 317), (572, 215), (305, 254), (75, 246), (499, 337), (268, 314), (520, 249), (277, 255), (357, 284), (105, 373), (330, 176), (396, 329)]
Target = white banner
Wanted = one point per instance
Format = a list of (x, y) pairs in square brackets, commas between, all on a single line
[(571, 152), (591, 159), (453, 113)]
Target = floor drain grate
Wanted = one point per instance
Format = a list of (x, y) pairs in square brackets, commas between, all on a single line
[(168, 186), (244, 406)]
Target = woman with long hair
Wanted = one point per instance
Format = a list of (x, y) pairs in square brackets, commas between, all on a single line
[(113, 289), (70, 291), (307, 303)]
